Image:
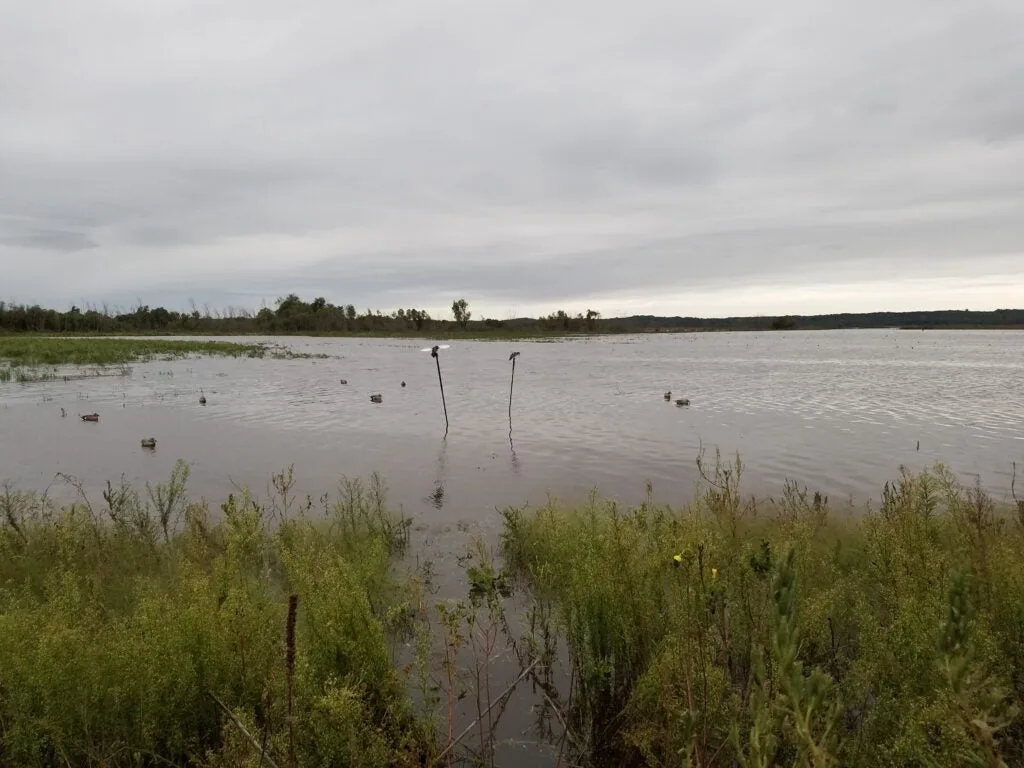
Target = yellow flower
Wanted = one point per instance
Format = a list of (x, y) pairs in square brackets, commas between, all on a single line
[(714, 573)]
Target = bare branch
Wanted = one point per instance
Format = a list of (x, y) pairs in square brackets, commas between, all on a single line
[(238, 723)]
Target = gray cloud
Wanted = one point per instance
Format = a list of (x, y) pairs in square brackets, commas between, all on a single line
[(527, 155), (45, 239)]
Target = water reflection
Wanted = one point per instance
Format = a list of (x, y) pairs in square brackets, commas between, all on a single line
[(515, 459), (436, 497)]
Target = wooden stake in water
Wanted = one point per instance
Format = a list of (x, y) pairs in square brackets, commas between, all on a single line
[(433, 353)]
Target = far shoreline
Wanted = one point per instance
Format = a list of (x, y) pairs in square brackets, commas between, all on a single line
[(472, 335)]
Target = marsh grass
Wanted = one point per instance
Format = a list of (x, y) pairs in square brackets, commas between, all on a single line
[(149, 628), (732, 632), (23, 375), (124, 624), (58, 350)]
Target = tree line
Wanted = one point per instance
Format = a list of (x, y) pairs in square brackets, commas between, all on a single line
[(290, 315), (293, 315)]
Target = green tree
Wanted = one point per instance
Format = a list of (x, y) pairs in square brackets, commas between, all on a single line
[(460, 309), (418, 317), (289, 305)]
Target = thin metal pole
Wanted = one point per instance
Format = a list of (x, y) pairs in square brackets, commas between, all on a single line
[(510, 393), (437, 359)]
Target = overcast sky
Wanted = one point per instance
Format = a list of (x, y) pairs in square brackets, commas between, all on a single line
[(667, 157)]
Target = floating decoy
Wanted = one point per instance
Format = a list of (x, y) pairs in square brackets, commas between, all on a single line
[(63, 413), (149, 442), (90, 417), (682, 401), (668, 395), (376, 398), (403, 383), (202, 399), (344, 381)]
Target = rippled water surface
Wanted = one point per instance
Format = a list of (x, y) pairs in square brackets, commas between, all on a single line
[(838, 411)]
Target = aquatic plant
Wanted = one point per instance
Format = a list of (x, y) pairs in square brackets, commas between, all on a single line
[(64, 350)]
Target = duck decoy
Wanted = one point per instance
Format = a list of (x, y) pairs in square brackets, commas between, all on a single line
[(403, 383), (668, 395), (682, 402), (202, 399), (149, 442), (376, 398), (90, 417)]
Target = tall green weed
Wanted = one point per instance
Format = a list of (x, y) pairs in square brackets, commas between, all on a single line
[(781, 632)]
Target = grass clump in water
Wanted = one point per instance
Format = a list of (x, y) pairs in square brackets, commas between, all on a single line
[(23, 375), (128, 632), (728, 633), (54, 350)]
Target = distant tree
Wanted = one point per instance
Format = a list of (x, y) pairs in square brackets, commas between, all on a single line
[(350, 312), (786, 323), (318, 303), (160, 317), (560, 319), (289, 305), (460, 309), (592, 316), (419, 318)]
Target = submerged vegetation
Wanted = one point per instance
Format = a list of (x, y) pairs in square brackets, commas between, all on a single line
[(23, 358), (154, 629), (23, 375), (50, 350)]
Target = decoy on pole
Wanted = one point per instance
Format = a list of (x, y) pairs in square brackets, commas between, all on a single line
[(512, 358), (433, 353)]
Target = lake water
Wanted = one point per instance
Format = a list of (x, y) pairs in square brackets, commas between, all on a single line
[(837, 411)]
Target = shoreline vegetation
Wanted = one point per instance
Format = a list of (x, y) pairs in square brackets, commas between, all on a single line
[(26, 358), (294, 316), (151, 628)]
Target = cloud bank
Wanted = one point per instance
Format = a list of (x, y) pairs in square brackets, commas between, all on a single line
[(658, 157)]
